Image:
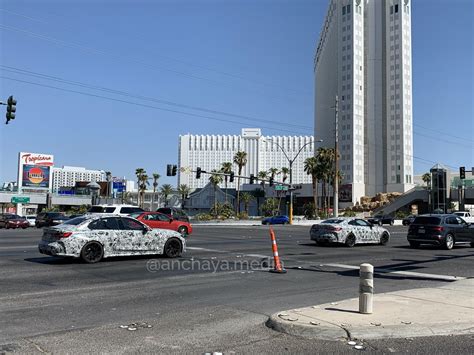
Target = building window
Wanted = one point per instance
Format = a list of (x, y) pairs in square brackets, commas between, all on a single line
[(391, 10), (343, 10), (396, 8), (398, 178), (349, 9)]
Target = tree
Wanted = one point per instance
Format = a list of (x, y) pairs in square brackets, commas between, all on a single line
[(325, 157), (226, 169), (269, 207), (165, 191), (273, 172), (156, 177), (311, 168), (144, 182), (284, 171), (240, 159), (215, 180), (262, 176), (426, 177), (246, 199), (139, 172), (184, 191)]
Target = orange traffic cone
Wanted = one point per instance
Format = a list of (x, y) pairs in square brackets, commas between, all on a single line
[(278, 268)]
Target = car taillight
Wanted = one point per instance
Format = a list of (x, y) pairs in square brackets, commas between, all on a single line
[(336, 229), (64, 235), (438, 229)]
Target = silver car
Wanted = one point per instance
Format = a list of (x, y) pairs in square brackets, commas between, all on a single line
[(349, 231), (93, 237)]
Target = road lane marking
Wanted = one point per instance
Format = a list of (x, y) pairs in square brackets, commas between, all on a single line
[(20, 247), (404, 273)]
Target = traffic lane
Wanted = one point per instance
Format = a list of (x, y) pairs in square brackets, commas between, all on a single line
[(295, 246)]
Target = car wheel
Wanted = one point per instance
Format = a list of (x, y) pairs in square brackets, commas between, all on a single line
[(414, 245), (286, 222), (449, 242), (92, 252), (173, 248), (384, 238), (350, 241), (183, 231)]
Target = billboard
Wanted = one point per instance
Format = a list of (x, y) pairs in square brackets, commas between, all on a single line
[(345, 193), (36, 176), (34, 171)]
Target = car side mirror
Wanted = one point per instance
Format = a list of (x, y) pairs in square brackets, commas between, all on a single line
[(171, 220)]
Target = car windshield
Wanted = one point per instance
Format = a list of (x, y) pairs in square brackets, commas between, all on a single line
[(55, 215), (135, 215), (12, 216), (333, 221), (427, 220), (76, 221)]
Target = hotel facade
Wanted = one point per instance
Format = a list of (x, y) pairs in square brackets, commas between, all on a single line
[(208, 152), (364, 59)]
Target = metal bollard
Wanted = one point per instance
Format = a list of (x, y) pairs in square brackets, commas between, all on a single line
[(366, 288)]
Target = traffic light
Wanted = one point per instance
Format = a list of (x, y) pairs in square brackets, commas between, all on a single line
[(270, 182), (169, 170), (198, 173), (231, 176), (174, 170), (252, 179), (462, 172), (11, 109)]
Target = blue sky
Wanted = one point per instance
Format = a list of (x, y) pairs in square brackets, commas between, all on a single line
[(238, 57)]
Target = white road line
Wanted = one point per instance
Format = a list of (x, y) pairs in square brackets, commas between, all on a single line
[(20, 247), (228, 252), (205, 249), (405, 273)]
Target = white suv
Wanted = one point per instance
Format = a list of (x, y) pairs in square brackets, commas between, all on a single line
[(123, 210)]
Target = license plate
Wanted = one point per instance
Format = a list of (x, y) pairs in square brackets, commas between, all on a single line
[(421, 231)]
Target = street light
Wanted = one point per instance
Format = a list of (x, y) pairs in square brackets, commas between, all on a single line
[(290, 162)]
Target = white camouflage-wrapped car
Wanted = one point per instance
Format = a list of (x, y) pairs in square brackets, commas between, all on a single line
[(349, 231), (93, 237)]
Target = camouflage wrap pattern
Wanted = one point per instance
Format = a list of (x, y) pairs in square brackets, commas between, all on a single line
[(364, 234), (115, 242)]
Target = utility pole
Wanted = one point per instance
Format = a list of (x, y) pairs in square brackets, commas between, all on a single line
[(336, 178)]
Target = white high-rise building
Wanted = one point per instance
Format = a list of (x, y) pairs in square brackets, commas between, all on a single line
[(364, 58), (68, 175), (208, 152)]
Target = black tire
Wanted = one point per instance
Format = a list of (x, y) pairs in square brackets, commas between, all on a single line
[(449, 242), (472, 245), (173, 248), (183, 230), (384, 238), (414, 245), (92, 252), (350, 240)]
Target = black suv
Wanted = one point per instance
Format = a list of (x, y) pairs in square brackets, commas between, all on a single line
[(379, 219), (440, 229), (48, 219), (175, 213)]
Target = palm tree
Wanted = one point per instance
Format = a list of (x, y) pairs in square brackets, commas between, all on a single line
[(144, 182), (273, 172), (284, 171), (184, 191), (215, 180), (246, 198), (166, 190), (240, 159), (311, 168), (226, 169), (262, 176), (426, 177), (325, 157), (156, 177), (139, 172)]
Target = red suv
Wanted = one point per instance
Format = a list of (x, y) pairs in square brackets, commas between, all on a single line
[(160, 220)]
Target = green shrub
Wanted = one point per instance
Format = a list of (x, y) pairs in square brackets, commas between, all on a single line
[(203, 217), (309, 210), (243, 215), (270, 207), (349, 213)]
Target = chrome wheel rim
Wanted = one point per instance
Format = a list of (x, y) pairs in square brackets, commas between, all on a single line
[(173, 248), (449, 241), (93, 252)]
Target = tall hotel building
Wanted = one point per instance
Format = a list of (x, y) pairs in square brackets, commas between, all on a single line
[(68, 175), (364, 58), (209, 152)]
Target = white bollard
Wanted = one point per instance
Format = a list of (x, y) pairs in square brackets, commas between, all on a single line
[(366, 288)]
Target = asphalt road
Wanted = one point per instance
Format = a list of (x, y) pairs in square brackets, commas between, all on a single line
[(215, 298)]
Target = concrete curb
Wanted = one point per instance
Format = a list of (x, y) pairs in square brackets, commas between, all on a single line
[(445, 310)]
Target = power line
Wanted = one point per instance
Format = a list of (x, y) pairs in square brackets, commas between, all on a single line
[(178, 60), (140, 104), (444, 133), (141, 97), (95, 51)]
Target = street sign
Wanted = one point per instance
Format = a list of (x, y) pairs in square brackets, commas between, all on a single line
[(22, 199), (281, 188)]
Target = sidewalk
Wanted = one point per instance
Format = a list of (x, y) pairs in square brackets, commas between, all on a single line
[(447, 310)]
